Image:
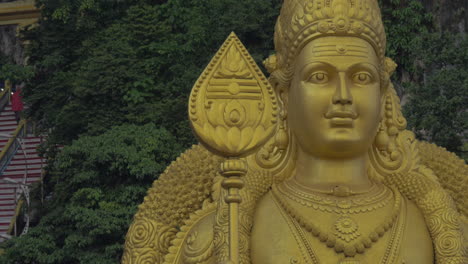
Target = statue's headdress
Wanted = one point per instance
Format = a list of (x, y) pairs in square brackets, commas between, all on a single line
[(301, 21)]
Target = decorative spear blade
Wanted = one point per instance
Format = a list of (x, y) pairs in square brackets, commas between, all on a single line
[(233, 108)]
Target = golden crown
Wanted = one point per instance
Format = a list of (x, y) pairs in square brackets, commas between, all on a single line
[(301, 21)]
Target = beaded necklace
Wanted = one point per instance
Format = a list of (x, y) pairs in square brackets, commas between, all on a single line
[(345, 228)]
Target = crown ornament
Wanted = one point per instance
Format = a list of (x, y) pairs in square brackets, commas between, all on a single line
[(302, 21)]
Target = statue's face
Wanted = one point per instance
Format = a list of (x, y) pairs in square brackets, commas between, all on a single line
[(334, 100)]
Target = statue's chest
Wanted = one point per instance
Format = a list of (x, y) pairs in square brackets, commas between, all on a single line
[(302, 235)]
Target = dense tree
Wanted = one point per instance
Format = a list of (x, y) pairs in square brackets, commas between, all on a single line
[(91, 82), (98, 180), (138, 69), (13, 72), (437, 108), (432, 78)]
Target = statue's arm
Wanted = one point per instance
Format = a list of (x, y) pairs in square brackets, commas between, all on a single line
[(181, 191), (451, 171)]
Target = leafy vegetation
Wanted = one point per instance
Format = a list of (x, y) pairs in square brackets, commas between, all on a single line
[(13, 72), (110, 82), (432, 77), (112, 86), (92, 195)]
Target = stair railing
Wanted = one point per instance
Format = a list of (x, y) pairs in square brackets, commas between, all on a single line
[(5, 95), (13, 144), (21, 189)]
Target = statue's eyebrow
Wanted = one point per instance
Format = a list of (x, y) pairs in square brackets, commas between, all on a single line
[(313, 65), (367, 65)]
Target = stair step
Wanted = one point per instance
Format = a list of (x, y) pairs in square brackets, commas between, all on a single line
[(30, 159), (8, 122), (8, 127), (7, 202), (29, 145), (7, 113), (28, 151), (4, 221), (28, 162), (11, 117), (6, 185), (29, 181), (30, 139), (6, 208), (4, 196), (22, 161), (23, 167), (5, 191), (7, 173), (32, 178), (28, 156), (29, 148), (9, 213)]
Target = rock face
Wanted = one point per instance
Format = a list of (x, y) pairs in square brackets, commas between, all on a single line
[(10, 45), (449, 15)]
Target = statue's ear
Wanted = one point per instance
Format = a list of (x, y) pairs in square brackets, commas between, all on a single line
[(277, 81), (283, 98), (390, 66)]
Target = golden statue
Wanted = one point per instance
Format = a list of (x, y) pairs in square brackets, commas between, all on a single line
[(312, 165)]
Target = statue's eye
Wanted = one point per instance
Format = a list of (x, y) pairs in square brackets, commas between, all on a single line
[(362, 78), (318, 77)]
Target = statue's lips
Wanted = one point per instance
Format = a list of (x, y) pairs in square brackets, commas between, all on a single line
[(342, 122), (341, 118), (341, 114)]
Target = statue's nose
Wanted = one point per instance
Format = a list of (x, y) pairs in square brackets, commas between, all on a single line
[(342, 93)]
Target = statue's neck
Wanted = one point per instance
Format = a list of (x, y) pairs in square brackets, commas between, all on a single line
[(326, 174)]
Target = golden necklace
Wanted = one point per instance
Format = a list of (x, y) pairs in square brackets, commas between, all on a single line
[(377, 197), (345, 228)]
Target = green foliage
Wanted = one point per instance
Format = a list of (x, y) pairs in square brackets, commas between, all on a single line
[(138, 69), (113, 86), (437, 106), (404, 20), (432, 73), (98, 183), (14, 72)]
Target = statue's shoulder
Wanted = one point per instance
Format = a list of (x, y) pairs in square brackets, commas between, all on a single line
[(450, 170), (181, 193)]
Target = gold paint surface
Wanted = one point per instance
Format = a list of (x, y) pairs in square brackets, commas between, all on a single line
[(21, 13)]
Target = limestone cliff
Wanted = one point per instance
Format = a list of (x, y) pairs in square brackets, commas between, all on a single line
[(10, 45)]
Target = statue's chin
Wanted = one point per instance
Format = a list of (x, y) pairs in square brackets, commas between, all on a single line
[(339, 147)]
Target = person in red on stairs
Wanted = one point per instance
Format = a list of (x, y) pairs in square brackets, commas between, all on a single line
[(17, 101)]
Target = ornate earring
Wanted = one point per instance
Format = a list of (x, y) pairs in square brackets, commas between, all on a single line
[(392, 130), (382, 139), (282, 138)]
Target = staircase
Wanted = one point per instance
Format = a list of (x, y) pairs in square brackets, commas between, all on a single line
[(24, 167)]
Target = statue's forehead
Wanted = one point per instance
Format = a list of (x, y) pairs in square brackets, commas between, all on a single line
[(337, 49), (341, 50), (329, 46)]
